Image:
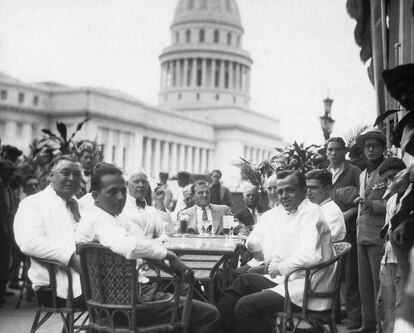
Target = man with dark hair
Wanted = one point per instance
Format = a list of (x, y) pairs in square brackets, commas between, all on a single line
[(30, 185), (44, 228), (319, 185), (205, 217), (301, 238), (183, 180), (345, 187), (391, 288), (220, 194), (87, 160), (371, 217), (101, 223)]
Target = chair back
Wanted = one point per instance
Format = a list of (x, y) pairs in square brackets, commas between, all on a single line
[(108, 278), (340, 248), (111, 288)]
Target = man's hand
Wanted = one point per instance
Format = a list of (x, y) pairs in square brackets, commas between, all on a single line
[(175, 262), (398, 234), (273, 268), (74, 262), (363, 201), (159, 196)]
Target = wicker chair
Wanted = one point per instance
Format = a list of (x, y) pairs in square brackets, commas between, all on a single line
[(112, 292), (315, 318), (49, 303)]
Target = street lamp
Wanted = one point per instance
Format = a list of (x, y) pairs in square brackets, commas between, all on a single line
[(326, 120)]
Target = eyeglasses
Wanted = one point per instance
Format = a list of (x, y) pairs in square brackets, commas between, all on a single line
[(373, 146)]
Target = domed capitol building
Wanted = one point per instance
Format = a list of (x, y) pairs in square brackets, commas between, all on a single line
[(203, 120)]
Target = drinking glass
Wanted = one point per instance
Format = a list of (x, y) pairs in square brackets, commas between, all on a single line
[(227, 224)]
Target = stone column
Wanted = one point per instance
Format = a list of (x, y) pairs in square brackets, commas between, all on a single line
[(185, 82), (248, 80), (167, 162), (213, 72), (26, 135), (148, 155), (109, 144), (181, 157), (137, 152), (197, 160), (189, 165), (221, 81), (204, 72), (194, 73), (231, 75), (203, 166), (237, 75), (157, 158), (174, 158)]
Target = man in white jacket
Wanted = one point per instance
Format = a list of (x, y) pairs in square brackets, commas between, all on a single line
[(44, 227), (301, 238), (319, 186)]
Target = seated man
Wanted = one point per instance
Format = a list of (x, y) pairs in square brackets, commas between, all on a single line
[(319, 184), (205, 217), (249, 215), (301, 238), (141, 219), (101, 223), (44, 227)]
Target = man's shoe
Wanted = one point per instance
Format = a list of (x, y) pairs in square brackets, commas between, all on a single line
[(364, 330)]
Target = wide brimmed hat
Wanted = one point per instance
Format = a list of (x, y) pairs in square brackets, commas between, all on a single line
[(371, 133), (395, 77)]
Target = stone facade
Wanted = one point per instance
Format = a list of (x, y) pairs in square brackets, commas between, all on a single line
[(203, 120)]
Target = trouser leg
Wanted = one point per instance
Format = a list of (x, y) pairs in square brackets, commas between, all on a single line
[(254, 311), (4, 270), (386, 299), (366, 288), (375, 255), (246, 284), (350, 284)]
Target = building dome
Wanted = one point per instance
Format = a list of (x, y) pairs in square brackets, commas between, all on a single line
[(205, 66), (220, 11)]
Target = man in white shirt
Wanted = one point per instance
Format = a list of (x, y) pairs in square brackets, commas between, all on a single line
[(319, 185), (205, 217), (300, 237), (101, 223), (141, 219), (44, 227)]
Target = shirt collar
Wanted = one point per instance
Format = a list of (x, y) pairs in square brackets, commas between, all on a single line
[(325, 201), (200, 208), (301, 205)]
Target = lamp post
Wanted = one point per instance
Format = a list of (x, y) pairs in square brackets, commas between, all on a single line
[(326, 120)]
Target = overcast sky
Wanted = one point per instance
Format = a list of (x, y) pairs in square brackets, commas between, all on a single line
[(300, 48)]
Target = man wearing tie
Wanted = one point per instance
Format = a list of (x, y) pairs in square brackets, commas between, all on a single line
[(141, 219), (44, 227), (204, 217)]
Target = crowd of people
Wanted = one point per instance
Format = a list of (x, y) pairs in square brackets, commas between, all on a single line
[(297, 226)]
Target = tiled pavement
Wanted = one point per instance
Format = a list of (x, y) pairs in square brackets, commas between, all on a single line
[(20, 320)]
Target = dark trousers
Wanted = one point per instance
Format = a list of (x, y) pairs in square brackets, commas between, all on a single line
[(204, 317), (4, 269), (369, 263), (350, 281), (246, 307)]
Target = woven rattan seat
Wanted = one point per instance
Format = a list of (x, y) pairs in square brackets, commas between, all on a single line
[(314, 318), (113, 296)]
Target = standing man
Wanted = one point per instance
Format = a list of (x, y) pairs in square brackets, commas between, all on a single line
[(163, 177), (319, 188), (44, 227), (205, 217), (6, 216), (371, 217), (87, 160), (183, 180), (141, 219), (220, 194), (345, 188), (101, 223)]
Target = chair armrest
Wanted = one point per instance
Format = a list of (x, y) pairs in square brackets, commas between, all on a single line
[(52, 267)]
